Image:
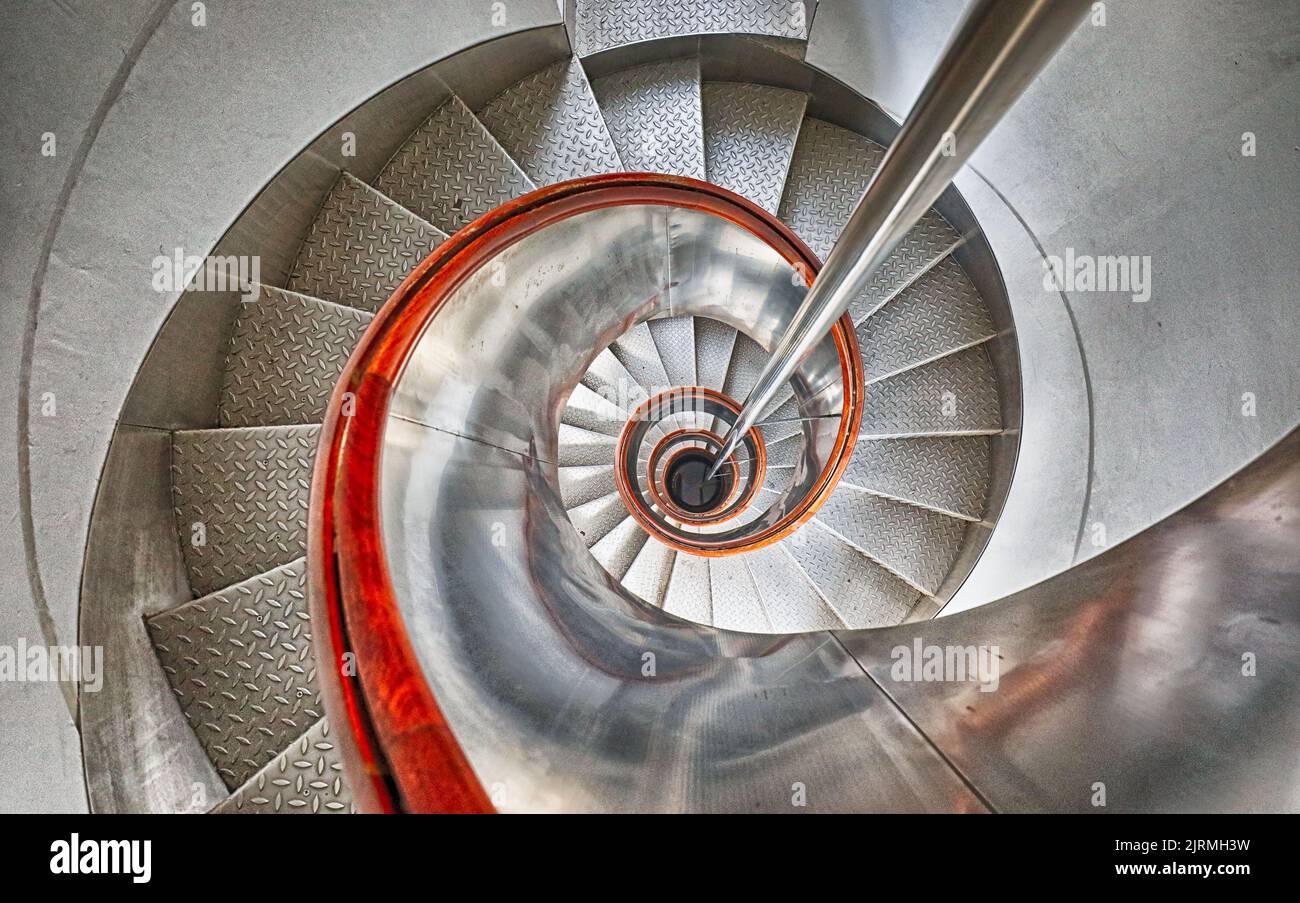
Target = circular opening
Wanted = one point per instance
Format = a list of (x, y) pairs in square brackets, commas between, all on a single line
[(687, 486)]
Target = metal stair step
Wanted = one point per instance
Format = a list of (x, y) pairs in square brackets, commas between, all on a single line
[(579, 447), (688, 593), (949, 474), (305, 779), (861, 592), (649, 573), (360, 247), (736, 602), (579, 485), (829, 172), (286, 354), (602, 24), (550, 124), (917, 544), (619, 548), (241, 665), (749, 138), (938, 314), (594, 519), (653, 114), (955, 395), (790, 600), (240, 499), (451, 170)]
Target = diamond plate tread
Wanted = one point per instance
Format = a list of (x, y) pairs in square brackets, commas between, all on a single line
[(747, 361), (713, 344), (360, 247), (551, 125), (688, 594), (637, 352), (579, 485), (619, 547), (940, 313), (785, 453), (783, 422), (944, 473), (736, 603), (674, 339), (861, 592), (749, 138), (597, 517), (451, 170), (649, 573), (609, 379), (929, 242), (916, 544), (790, 600), (240, 498), (829, 170), (305, 779), (287, 353), (589, 411), (602, 24), (954, 395), (828, 174), (653, 114), (240, 662), (583, 448)]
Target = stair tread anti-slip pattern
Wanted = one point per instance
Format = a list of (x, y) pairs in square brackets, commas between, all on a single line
[(790, 600), (941, 312), (916, 544), (602, 24), (241, 500), (551, 125), (594, 413), (944, 473), (286, 354), (749, 138), (580, 448), (653, 114), (451, 170), (618, 548), (360, 247), (859, 591), (240, 663), (957, 394), (305, 779), (579, 485), (637, 352), (829, 171), (594, 519), (736, 603), (648, 576), (688, 589)]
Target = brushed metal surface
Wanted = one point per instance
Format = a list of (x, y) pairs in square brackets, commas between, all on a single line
[(653, 115), (614, 695), (1130, 671)]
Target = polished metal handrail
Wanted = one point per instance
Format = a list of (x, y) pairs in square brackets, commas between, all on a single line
[(997, 50)]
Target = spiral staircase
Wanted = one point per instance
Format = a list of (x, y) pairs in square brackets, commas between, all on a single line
[(820, 540)]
